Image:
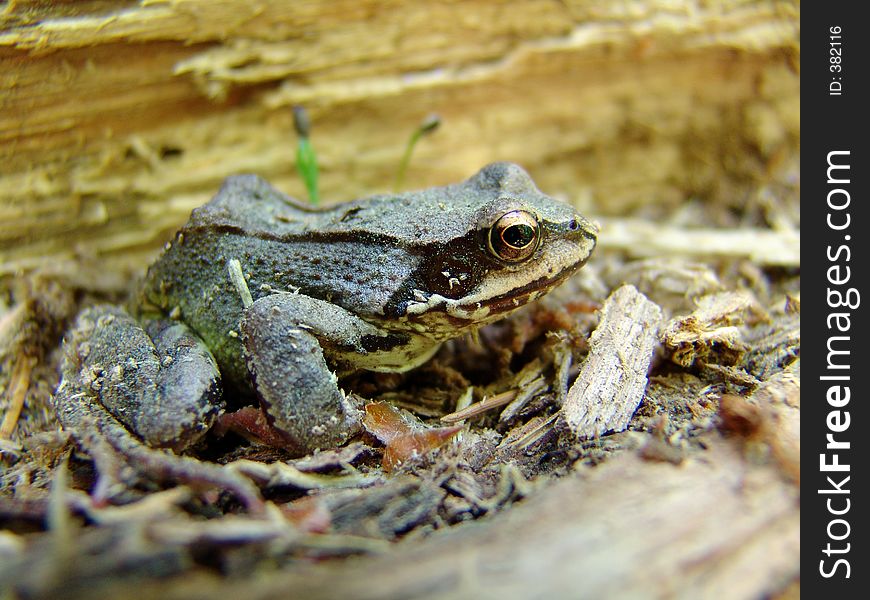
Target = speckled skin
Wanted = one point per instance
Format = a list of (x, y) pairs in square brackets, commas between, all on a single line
[(373, 284)]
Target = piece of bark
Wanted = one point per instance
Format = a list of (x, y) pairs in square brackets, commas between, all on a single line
[(613, 377), (711, 334), (668, 281)]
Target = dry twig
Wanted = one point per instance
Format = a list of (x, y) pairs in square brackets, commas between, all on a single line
[(19, 383), (644, 238)]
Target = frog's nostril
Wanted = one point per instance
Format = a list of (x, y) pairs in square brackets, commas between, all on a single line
[(579, 226)]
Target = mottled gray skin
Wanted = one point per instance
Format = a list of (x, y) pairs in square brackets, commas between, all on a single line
[(373, 284)]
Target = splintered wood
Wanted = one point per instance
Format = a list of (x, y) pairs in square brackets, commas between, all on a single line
[(611, 383), (762, 246), (119, 118)]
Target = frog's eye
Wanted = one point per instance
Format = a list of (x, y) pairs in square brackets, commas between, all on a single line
[(515, 236)]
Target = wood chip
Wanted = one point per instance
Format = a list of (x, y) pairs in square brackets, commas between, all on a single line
[(613, 377), (525, 395), (480, 407)]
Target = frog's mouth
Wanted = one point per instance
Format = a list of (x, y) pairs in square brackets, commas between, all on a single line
[(442, 318), (497, 306)]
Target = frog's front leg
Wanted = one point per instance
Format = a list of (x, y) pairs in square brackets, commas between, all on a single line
[(285, 337)]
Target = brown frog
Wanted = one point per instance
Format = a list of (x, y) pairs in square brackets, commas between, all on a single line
[(273, 298)]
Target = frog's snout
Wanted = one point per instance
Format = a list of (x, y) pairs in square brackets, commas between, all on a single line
[(581, 233), (581, 226), (577, 229)]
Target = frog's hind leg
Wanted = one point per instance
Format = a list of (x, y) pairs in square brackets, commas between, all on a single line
[(162, 384), (123, 461)]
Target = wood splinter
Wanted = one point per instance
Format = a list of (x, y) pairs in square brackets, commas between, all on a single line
[(19, 384), (613, 377)]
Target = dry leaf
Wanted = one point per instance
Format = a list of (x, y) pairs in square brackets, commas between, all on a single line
[(404, 438)]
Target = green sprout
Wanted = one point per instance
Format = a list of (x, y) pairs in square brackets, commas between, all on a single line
[(306, 160), (427, 126)]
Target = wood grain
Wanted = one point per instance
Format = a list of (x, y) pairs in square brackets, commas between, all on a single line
[(116, 120), (612, 380)]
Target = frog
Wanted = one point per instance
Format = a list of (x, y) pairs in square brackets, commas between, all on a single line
[(265, 297)]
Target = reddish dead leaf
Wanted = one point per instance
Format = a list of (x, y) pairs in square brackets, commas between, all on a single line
[(385, 422), (309, 514), (251, 424), (410, 445), (403, 438)]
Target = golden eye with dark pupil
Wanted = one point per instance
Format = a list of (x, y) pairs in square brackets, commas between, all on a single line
[(518, 236), (515, 236)]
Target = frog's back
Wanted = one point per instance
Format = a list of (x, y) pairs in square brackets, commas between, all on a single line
[(354, 254), (425, 216), (282, 246)]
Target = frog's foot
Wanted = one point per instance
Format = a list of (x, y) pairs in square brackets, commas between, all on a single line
[(122, 461), (163, 384), (283, 336)]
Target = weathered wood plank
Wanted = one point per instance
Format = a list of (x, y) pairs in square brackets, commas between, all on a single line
[(115, 122)]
